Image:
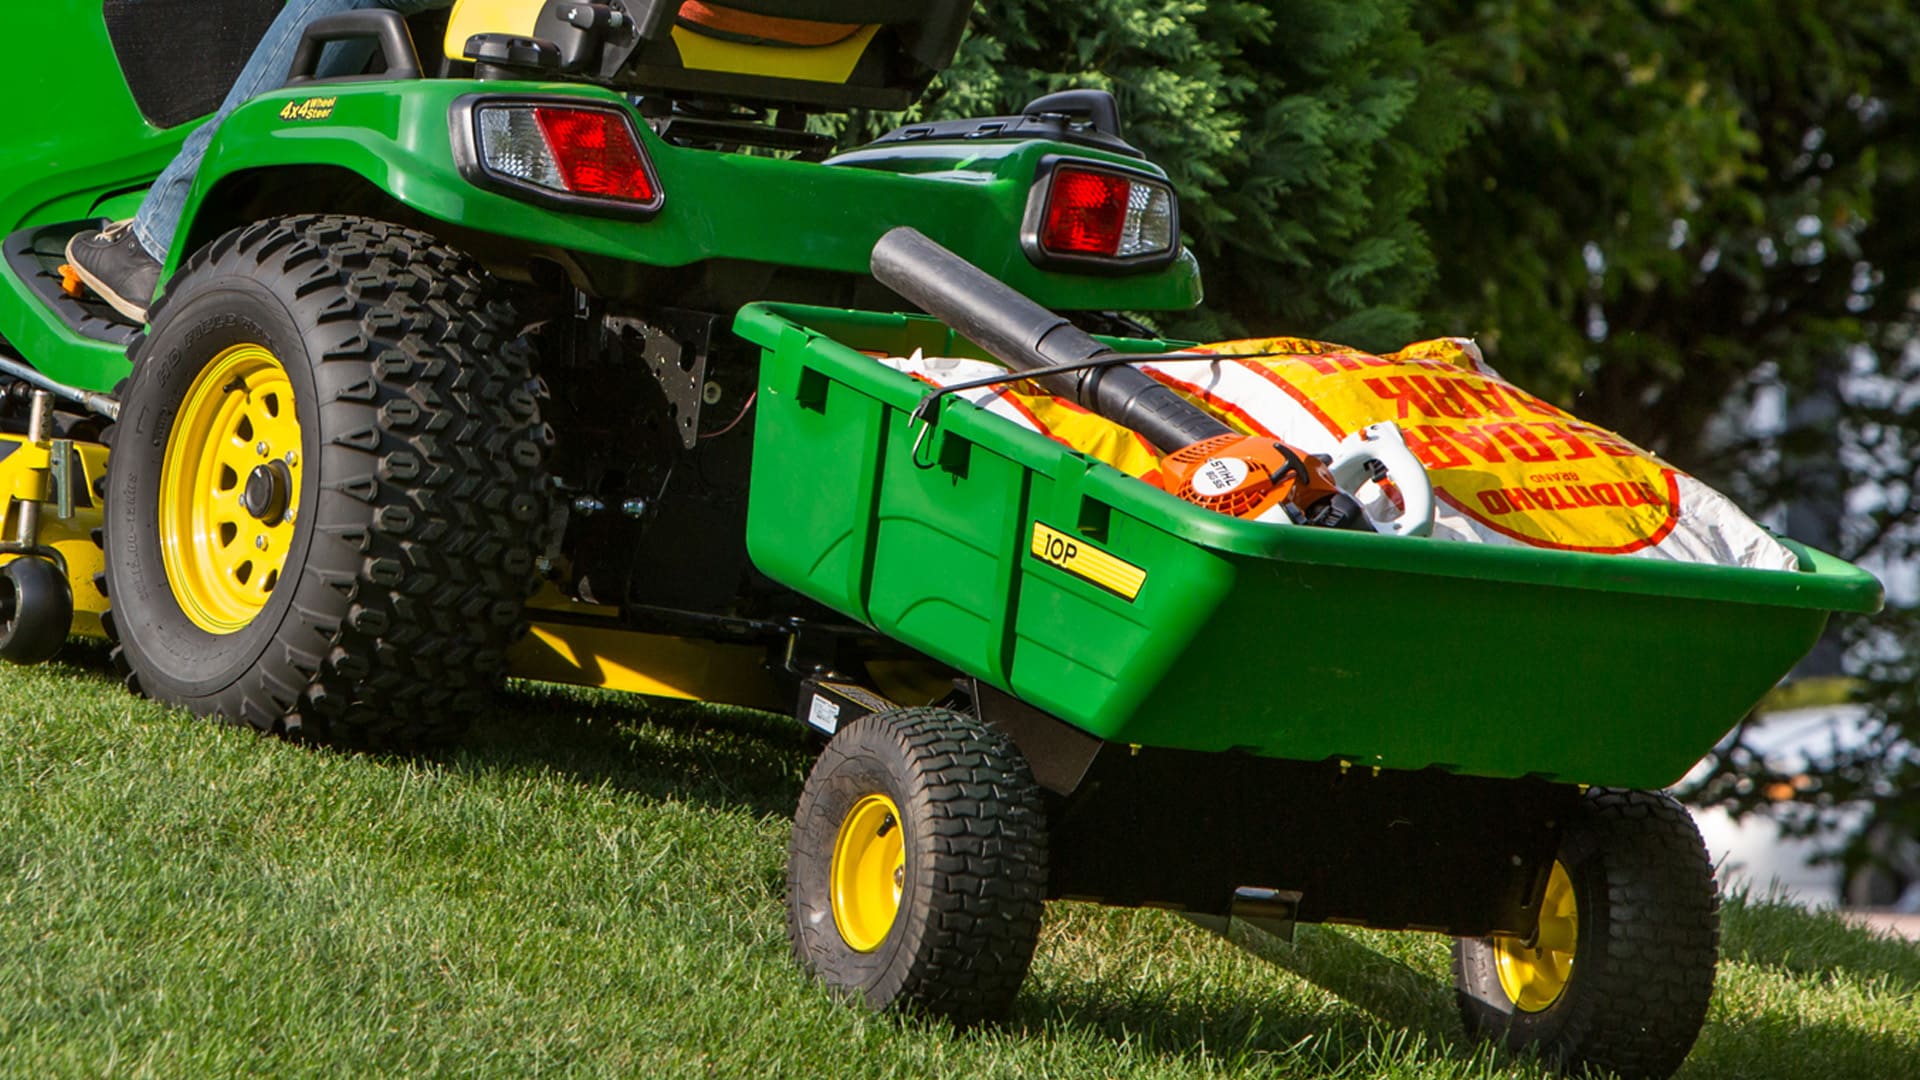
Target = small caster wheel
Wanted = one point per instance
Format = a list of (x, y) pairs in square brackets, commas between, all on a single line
[(36, 610)]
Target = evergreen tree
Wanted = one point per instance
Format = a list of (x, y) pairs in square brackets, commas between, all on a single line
[(1303, 136), (1689, 221)]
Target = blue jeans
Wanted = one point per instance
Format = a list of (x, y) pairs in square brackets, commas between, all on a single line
[(159, 216)]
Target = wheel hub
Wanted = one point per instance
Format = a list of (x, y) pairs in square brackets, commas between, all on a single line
[(268, 488), (230, 483), (1536, 972), (869, 872)]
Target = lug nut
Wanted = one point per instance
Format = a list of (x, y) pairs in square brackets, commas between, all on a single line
[(587, 506), (260, 542), (264, 450), (634, 508)]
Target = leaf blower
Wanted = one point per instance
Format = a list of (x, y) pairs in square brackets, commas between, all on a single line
[(1204, 461)]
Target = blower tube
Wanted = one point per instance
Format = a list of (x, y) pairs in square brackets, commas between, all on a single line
[(1024, 336)]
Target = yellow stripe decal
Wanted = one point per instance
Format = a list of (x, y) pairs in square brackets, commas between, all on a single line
[(1083, 560)]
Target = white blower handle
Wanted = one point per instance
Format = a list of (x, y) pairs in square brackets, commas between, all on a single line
[(1352, 469)]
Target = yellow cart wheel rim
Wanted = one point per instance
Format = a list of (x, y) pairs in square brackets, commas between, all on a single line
[(1534, 976), (222, 558), (869, 872)]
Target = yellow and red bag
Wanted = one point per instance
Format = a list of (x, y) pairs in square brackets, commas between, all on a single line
[(1506, 466)]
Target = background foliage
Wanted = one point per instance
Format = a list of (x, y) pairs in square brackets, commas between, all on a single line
[(1685, 219), (1302, 136)]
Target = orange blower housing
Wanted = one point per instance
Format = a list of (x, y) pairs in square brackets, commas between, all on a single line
[(1246, 476)]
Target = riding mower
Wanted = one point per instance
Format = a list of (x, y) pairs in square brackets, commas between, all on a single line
[(544, 346)]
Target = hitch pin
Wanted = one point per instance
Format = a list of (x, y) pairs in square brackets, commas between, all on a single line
[(31, 487)]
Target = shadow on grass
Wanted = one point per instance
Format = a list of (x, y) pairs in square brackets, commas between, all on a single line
[(1778, 1041), (690, 751), (1231, 1026), (1786, 937), (1348, 968), (1768, 1037), (87, 658), (1780, 1045), (685, 751), (1262, 1038)]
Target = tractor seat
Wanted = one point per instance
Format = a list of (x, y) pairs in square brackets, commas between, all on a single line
[(814, 54)]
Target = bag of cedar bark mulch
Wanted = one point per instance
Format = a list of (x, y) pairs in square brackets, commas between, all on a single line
[(1506, 466)]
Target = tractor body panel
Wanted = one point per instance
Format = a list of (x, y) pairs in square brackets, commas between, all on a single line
[(398, 138), (718, 206), (76, 122)]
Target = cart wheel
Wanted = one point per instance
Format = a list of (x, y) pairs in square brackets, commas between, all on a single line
[(326, 490), (918, 865), (36, 610), (1620, 972)]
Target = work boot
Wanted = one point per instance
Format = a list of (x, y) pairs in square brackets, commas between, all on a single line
[(116, 267)]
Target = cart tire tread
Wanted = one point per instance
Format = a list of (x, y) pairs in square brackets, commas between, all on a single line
[(985, 861), (1643, 975)]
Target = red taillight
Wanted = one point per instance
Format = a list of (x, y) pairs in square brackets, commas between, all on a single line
[(1086, 214), (596, 153), (578, 156), (1101, 216)]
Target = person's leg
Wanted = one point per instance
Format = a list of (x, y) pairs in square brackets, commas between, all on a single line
[(122, 262), (159, 214)]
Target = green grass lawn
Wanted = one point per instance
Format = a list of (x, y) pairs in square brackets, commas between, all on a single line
[(592, 886)]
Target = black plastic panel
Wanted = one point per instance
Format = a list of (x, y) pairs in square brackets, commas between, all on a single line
[(1051, 127), (180, 57)]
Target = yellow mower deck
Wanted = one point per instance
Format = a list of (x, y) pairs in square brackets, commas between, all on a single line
[(24, 476)]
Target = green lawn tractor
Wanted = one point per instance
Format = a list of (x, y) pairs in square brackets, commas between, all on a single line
[(542, 348)]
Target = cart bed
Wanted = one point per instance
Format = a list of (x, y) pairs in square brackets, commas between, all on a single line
[(1141, 619)]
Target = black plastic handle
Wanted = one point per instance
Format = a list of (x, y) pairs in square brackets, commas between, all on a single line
[(1098, 106), (388, 29), (1024, 335)]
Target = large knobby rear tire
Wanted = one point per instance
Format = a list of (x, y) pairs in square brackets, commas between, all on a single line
[(917, 873), (1633, 896), (326, 491)]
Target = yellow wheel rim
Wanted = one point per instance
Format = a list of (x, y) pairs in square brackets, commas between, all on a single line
[(869, 870), (1534, 976), (230, 489)]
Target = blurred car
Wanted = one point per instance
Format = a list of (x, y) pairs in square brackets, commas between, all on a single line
[(1756, 852)]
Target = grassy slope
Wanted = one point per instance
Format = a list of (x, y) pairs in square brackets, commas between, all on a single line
[(592, 886)]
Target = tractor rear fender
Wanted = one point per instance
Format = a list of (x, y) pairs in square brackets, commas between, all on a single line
[(342, 146)]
